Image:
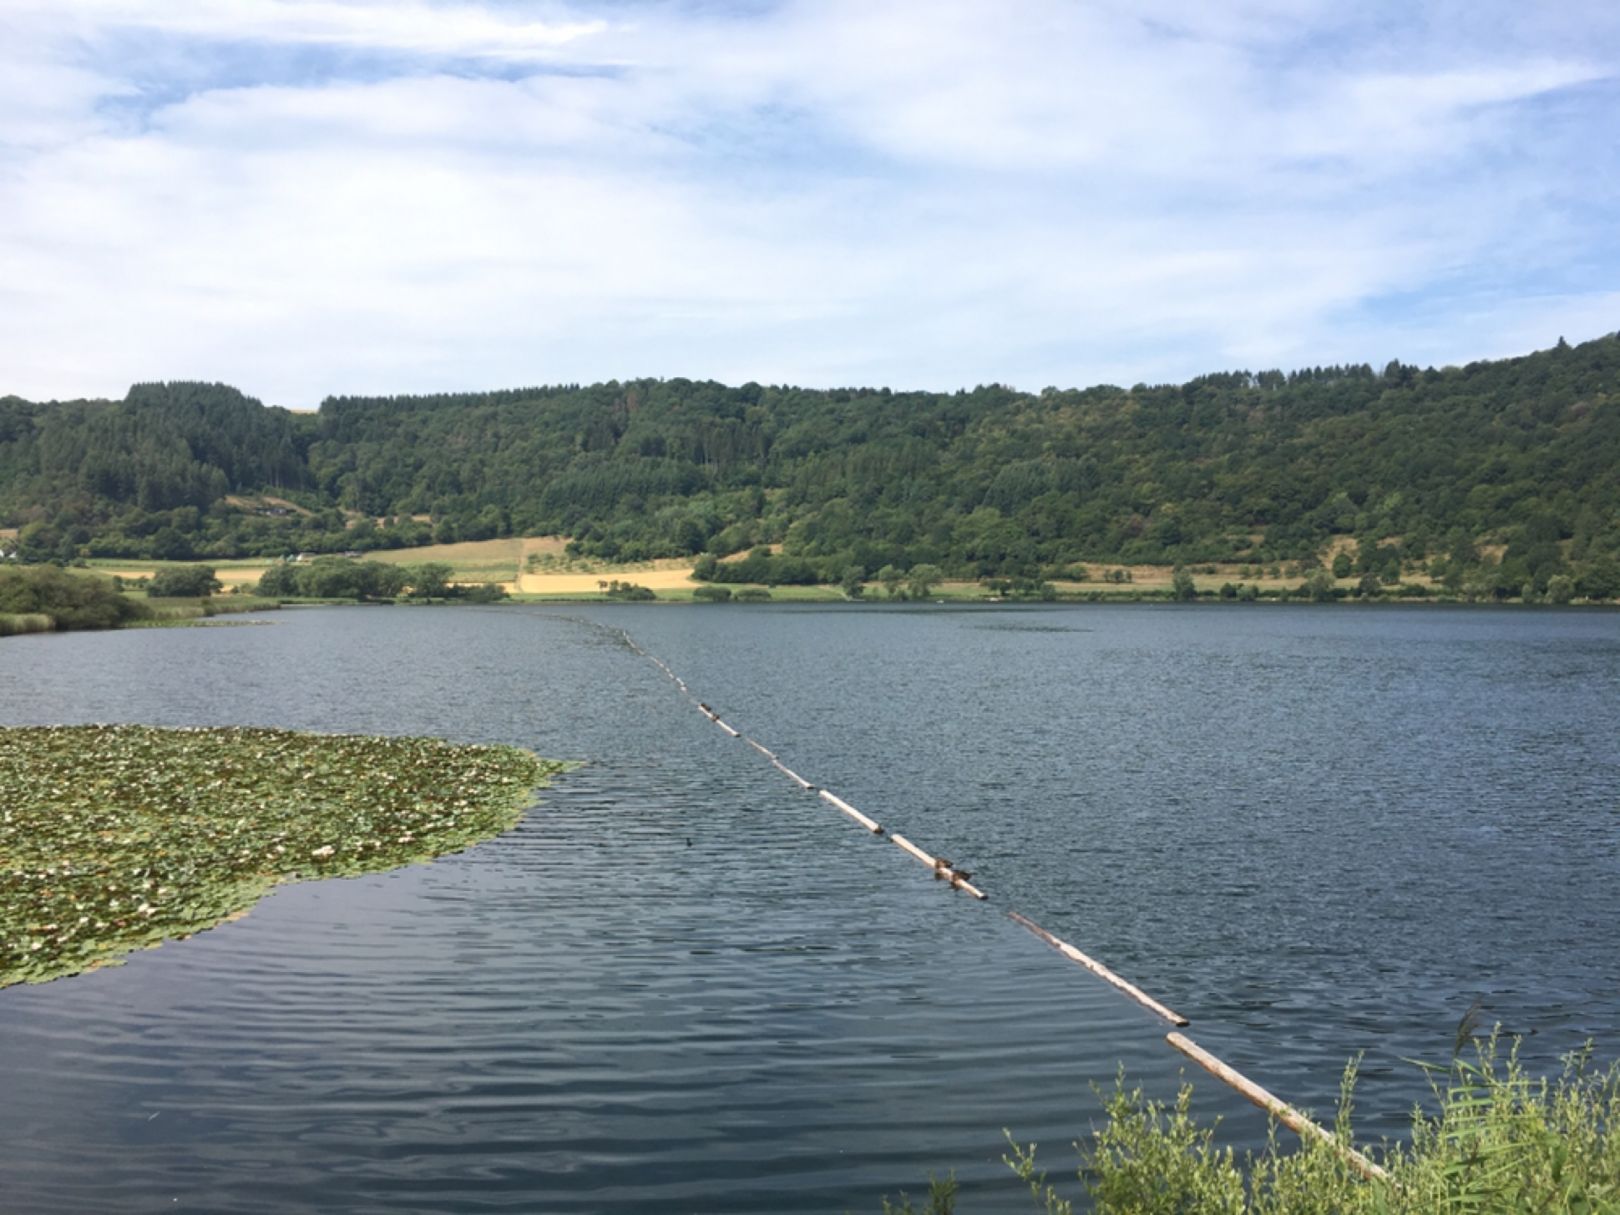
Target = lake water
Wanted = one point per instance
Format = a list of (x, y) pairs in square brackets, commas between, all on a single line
[(683, 984)]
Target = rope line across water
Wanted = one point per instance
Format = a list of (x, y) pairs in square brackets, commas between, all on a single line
[(958, 879)]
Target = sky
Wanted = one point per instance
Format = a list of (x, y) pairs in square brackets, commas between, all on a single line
[(313, 197)]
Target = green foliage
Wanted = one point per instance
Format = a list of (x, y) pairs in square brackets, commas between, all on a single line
[(334, 578), (1021, 588), (712, 594), (921, 579), (941, 1199), (1499, 1143), (430, 580), (70, 601), (1319, 586), (13, 624), (113, 838), (628, 591), (481, 592), (1519, 456), (1182, 585), (183, 582)]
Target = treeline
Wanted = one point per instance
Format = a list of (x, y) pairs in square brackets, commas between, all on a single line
[(46, 599), (1493, 476), (370, 581)]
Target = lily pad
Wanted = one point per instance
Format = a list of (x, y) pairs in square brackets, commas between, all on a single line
[(117, 838)]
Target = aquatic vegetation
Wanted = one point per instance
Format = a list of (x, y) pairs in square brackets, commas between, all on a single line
[(116, 838)]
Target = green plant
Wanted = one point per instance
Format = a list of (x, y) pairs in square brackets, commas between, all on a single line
[(1499, 1142), (941, 1199), (114, 838)]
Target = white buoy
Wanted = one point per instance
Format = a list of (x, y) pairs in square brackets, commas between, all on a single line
[(1101, 971), (853, 813)]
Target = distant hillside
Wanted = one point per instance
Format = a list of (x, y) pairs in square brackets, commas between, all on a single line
[(1502, 472)]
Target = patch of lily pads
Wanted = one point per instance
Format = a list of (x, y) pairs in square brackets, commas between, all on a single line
[(116, 838)]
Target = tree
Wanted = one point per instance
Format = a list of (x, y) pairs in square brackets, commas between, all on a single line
[(183, 582), (891, 577), (853, 583), (170, 544), (71, 601), (1182, 585), (922, 579), (279, 581), (430, 580)]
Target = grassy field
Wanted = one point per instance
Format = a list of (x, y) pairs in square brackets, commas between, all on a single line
[(116, 838), (231, 573), (538, 567)]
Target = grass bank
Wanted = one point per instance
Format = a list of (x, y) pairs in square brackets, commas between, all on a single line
[(1494, 1140), (117, 838)]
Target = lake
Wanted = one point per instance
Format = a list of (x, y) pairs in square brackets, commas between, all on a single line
[(684, 984)]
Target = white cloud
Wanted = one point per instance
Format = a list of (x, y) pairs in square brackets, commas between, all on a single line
[(396, 25), (922, 195)]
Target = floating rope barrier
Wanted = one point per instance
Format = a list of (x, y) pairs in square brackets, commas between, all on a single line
[(942, 868), (1275, 1106), (945, 870), (791, 774), (853, 813), (1101, 971)]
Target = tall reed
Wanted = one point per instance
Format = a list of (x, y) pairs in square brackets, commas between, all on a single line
[(13, 623)]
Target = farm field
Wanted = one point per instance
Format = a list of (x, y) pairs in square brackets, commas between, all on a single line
[(538, 566)]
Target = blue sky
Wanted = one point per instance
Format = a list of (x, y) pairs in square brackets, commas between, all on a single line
[(303, 197)]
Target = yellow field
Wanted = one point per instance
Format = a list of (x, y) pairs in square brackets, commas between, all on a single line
[(506, 562), (230, 573), (677, 577)]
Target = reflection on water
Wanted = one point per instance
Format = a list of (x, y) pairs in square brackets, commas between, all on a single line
[(684, 984)]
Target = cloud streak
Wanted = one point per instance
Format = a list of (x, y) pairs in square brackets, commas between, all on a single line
[(915, 194)]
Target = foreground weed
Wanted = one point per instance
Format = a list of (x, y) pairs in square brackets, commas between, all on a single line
[(1500, 1142)]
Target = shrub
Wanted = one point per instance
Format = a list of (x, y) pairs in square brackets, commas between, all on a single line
[(70, 601), (1500, 1143), (712, 594), (183, 582)]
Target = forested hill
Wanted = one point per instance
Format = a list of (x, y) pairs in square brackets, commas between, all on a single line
[(1431, 464)]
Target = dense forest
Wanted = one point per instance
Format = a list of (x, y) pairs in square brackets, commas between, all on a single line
[(1506, 473)]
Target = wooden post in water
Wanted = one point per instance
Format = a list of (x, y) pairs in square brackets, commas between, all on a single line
[(1101, 971), (1275, 1106), (853, 813)]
